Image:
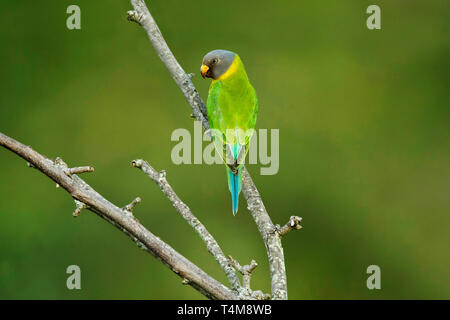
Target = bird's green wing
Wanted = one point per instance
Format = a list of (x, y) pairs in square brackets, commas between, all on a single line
[(252, 121), (216, 119), (247, 121)]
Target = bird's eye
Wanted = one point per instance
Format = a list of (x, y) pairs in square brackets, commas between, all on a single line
[(214, 61)]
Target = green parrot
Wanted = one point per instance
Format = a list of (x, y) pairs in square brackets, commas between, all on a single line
[(232, 108)]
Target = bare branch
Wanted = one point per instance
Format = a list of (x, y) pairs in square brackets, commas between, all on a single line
[(85, 194), (292, 224), (213, 247), (272, 239), (159, 44)]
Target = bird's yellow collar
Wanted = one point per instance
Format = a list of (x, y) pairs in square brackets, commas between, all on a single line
[(231, 70)]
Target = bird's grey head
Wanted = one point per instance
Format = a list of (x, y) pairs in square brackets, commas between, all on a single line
[(216, 63)]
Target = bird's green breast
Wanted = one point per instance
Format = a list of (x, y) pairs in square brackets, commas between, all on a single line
[(232, 100)]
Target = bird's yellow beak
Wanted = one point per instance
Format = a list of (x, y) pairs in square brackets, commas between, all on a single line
[(204, 69)]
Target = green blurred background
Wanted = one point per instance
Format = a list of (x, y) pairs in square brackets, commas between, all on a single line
[(364, 145)]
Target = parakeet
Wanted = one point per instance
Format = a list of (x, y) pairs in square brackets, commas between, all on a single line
[(232, 108)]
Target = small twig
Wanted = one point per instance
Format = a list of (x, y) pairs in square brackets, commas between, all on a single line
[(129, 207), (70, 171), (246, 272), (78, 170), (211, 244), (80, 206), (292, 224), (135, 16)]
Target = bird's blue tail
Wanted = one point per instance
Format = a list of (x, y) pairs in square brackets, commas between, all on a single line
[(234, 184)]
